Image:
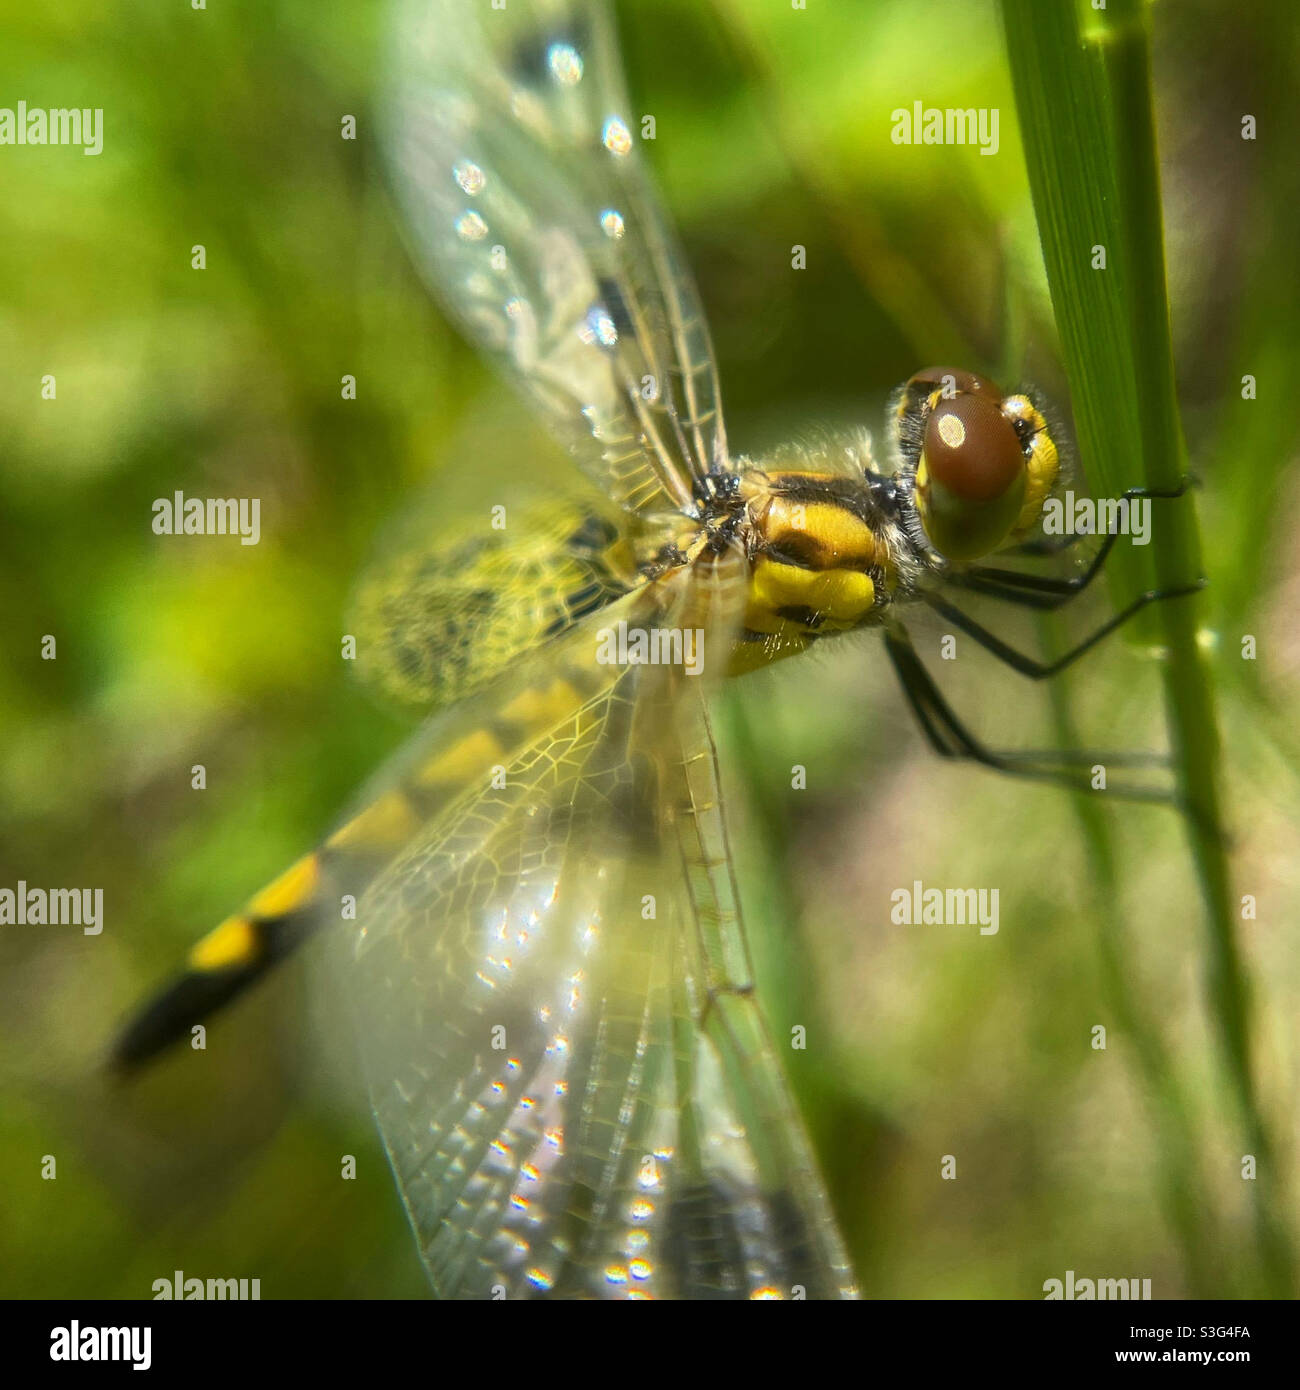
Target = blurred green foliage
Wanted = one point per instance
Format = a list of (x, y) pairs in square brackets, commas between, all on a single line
[(222, 128)]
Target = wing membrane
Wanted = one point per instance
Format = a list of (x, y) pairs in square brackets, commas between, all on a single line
[(568, 1066), (444, 609), (514, 154)]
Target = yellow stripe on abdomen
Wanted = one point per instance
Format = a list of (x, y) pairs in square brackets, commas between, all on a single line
[(235, 943), (277, 919), (241, 941)]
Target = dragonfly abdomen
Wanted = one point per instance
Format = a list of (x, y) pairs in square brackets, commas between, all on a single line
[(460, 755), (225, 962)]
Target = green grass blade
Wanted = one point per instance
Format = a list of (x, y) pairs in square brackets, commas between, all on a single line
[(1183, 1197), (1089, 134)]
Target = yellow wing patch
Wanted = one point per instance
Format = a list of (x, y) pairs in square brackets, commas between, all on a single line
[(435, 623)]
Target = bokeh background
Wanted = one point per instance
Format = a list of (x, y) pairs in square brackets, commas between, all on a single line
[(223, 128)]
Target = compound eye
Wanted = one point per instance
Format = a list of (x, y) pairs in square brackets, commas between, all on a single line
[(960, 380), (972, 448), (971, 478)]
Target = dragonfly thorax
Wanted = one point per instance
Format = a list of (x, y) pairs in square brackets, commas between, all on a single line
[(829, 547), (832, 543)]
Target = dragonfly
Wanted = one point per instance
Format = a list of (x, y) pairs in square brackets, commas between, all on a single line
[(537, 903)]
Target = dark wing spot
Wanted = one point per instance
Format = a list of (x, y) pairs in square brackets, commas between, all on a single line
[(408, 660), (583, 599), (611, 296), (595, 534), (702, 1247)]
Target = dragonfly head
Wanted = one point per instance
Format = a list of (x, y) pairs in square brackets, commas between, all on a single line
[(982, 463)]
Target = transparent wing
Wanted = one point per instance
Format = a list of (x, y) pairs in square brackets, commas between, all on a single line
[(444, 608), (568, 1066), (514, 154)]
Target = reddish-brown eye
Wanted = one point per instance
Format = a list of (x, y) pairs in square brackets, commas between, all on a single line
[(970, 478), (961, 381), (971, 449)]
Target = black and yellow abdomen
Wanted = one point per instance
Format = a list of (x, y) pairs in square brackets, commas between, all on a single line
[(465, 753)]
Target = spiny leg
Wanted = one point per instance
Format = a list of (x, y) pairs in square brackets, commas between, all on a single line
[(950, 738), (1042, 670), (1055, 545)]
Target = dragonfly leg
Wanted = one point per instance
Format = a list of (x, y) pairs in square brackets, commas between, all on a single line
[(1042, 670), (1044, 593), (950, 738), (1051, 591)]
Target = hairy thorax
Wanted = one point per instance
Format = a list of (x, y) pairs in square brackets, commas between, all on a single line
[(825, 554)]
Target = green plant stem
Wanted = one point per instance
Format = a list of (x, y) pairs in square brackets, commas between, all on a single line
[(1089, 136), (1189, 693)]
